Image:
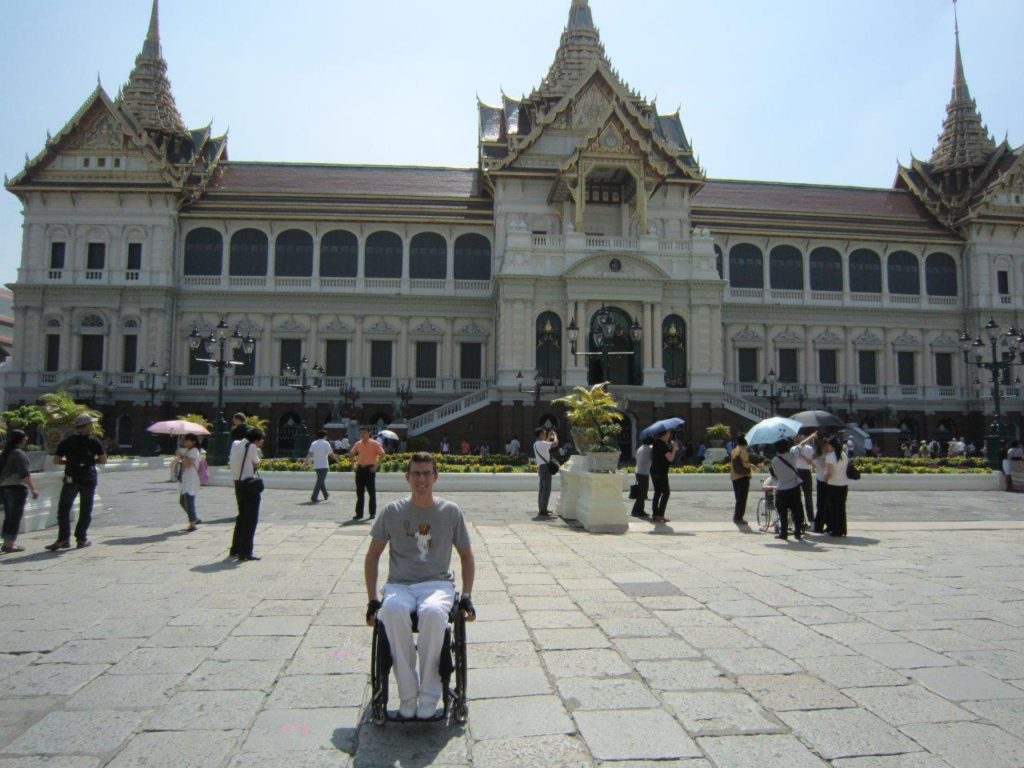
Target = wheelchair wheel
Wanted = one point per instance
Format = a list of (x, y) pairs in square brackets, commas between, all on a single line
[(379, 674), (764, 515), (460, 709)]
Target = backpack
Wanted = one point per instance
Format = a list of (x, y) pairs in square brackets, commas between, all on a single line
[(204, 471)]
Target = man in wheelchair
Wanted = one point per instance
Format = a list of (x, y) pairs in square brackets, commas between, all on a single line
[(421, 531)]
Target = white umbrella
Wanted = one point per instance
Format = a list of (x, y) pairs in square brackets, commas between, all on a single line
[(387, 434), (177, 427), (771, 430)]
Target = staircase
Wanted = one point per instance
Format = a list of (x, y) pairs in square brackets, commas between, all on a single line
[(743, 407), (449, 412)]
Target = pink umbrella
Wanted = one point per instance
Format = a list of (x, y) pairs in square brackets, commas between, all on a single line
[(177, 427)]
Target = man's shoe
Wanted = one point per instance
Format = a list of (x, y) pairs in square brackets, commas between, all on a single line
[(782, 536), (641, 515), (83, 543), (357, 517), (372, 516), (58, 545), (8, 548), (247, 558), (326, 497), (660, 520), (426, 709)]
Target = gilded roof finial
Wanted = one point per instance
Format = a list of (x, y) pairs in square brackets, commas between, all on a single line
[(147, 94)]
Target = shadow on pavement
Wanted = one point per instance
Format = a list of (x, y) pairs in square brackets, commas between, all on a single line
[(25, 557), (129, 541), (850, 541), (411, 744), (228, 564)]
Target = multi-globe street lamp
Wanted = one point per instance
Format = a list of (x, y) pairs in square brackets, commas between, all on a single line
[(297, 379), (1006, 350), (217, 350), (602, 338), (148, 379), (850, 397), (774, 392)]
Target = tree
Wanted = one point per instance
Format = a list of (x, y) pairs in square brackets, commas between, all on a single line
[(197, 418), (61, 409)]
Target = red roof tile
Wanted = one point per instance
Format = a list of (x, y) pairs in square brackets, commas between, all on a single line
[(807, 198), (287, 178)]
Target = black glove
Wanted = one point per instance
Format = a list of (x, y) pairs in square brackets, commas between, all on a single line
[(466, 605), (371, 610)]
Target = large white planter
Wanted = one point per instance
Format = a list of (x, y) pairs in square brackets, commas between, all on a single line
[(602, 461), (593, 499)]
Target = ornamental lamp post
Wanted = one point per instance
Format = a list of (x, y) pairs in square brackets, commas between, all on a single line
[(404, 392), (602, 338), (539, 382), (349, 396), (224, 344), (148, 378), (1006, 350), (850, 397), (768, 391), (301, 442)]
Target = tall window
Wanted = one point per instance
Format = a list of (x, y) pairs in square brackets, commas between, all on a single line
[(92, 353), (336, 357), (291, 354), (673, 350), (339, 254), (293, 254), (826, 270), (786, 267), (428, 257), (718, 260), (943, 369), (96, 256), (472, 257), (789, 368), (383, 255), (471, 360), (248, 254), (904, 274), (1002, 282), (380, 359), (52, 357), (129, 354), (746, 266), (426, 359), (828, 366), (867, 367), (747, 364), (248, 362), (905, 369), (134, 257), (940, 275), (204, 252), (865, 271), (549, 347), (57, 251)]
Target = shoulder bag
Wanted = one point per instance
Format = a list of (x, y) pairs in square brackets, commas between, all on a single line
[(251, 486), (852, 473)]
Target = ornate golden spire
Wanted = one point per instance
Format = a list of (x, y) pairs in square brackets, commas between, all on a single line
[(579, 49), (147, 94), (965, 141)]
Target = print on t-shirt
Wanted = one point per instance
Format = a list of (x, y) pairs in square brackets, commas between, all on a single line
[(423, 539)]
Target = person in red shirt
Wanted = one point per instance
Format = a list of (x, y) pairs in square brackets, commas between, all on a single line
[(367, 454), (465, 447)]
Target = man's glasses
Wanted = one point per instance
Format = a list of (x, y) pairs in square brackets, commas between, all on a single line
[(421, 474)]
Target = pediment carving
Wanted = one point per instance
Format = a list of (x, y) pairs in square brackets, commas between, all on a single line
[(291, 325), (427, 328), (906, 340), (867, 339), (474, 329), (381, 328), (828, 338), (590, 108), (788, 337), (336, 326), (748, 335), (615, 266), (944, 342)]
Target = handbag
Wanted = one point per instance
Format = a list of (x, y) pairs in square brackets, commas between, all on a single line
[(852, 473), (634, 491), (553, 467), (250, 486)]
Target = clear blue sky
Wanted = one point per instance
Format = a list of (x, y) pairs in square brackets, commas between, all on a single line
[(823, 91)]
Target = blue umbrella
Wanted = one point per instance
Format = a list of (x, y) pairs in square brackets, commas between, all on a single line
[(665, 425), (772, 430)]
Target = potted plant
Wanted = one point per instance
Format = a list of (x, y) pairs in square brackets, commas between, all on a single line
[(717, 434), (595, 421), (61, 410)]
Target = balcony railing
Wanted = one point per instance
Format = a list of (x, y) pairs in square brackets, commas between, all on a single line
[(839, 298)]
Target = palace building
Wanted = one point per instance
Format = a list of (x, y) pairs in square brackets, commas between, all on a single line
[(587, 244)]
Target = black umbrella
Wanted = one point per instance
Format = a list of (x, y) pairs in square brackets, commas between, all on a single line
[(817, 419)]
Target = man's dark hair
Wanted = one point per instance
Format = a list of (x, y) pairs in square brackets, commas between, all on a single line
[(321, 433), (240, 417), (741, 441), (254, 434), (422, 457), (539, 431)]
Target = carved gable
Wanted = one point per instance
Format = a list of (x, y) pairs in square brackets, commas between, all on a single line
[(590, 108)]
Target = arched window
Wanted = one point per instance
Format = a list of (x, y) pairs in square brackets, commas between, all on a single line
[(625, 363), (248, 254), (293, 254), (92, 322), (428, 257), (339, 254), (826, 270), (865, 271), (673, 350), (204, 252), (472, 258), (786, 268), (940, 275), (746, 266), (904, 273), (549, 347), (383, 255)]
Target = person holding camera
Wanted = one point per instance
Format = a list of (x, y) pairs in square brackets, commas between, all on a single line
[(79, 453), (546, 440)]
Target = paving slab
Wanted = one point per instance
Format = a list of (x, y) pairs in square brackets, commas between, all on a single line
[(548, 751), (621, 734), (835, 733), (300, 730), (683, 675), (534, 716), (759, 751), (969, 745), (95, 732), (46, 679), (906, 704), (318, 691), (124, 692), (913, 760), (194, 749), (580, 693), (713, 713), (207, 711), (781, 693), (509, 682), (586, 662), (964, 684)]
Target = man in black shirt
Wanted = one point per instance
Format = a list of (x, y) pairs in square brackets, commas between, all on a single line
[(79, 453), (663, 451), (239, 429)]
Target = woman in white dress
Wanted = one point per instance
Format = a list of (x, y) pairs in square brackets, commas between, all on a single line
[(188, 478)]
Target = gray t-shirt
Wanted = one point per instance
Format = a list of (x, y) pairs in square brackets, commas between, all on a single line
[(15, 468), (420, 539)]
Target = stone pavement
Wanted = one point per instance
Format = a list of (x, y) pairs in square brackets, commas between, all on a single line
[(690, 645)]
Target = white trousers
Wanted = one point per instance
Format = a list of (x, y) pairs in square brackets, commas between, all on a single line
[(432, 602)]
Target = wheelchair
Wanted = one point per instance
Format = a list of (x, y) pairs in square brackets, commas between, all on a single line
[(453, 660), (767, 512)]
